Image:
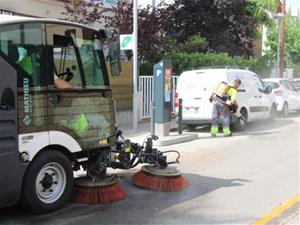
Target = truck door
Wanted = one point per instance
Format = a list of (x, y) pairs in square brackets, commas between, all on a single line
[(80, 101), (9, 155), (21, 103)]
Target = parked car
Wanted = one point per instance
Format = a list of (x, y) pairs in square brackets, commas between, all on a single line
[(296, 83), (286, 94), (194, 88)]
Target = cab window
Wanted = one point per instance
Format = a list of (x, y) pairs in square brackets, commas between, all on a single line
[(93, 65), (22, 45), (75, 57), (64, 67)]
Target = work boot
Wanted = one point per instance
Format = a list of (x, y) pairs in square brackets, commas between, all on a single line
[(214, 131), (227, 132)]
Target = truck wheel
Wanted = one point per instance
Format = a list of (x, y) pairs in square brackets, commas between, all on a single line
[(47, 183), (242, 122)]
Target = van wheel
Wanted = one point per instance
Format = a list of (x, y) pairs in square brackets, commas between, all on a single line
[(191, 127), (242, 122), (285, 109), (273, 111), (47, 183)]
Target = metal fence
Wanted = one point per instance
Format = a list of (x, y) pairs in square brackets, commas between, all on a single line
[(146, 94)]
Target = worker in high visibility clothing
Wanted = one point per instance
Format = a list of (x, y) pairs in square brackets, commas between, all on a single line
[(224, 102)]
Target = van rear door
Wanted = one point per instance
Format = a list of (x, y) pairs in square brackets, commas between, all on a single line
[(194, 88), (191, 92)]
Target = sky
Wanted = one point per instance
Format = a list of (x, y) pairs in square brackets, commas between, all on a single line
[(293, 3)]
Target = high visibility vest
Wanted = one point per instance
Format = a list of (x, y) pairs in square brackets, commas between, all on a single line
[(26, 64)]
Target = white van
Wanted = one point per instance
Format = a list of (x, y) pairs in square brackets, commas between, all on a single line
[(194, 88)]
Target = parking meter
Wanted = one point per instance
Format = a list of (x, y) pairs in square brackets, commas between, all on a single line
[(162, 72)]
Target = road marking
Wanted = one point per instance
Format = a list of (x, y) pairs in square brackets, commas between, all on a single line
[(276, 212)]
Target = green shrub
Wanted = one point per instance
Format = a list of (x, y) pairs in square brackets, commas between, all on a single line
[(183, 61)]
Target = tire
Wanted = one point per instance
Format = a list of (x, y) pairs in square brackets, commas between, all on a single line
[(273, 111), (191, 127), (48, 183), (242, 122), (285, 110)]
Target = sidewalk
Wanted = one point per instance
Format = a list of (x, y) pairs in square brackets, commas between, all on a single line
[(125, 124)]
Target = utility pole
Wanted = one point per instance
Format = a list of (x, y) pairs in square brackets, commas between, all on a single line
[(153, 3), (282, 40), (278, 17), (135, 65)]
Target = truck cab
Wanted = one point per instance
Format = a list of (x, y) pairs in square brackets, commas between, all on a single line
[(56, 108)]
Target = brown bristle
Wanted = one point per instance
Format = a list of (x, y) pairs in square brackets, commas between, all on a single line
[(100, 195), (159, 183)]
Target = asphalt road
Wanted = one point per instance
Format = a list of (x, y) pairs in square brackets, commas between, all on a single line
[(234, 180)]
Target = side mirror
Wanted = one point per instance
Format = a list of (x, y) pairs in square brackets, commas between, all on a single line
[(115, 58), (268, 89)]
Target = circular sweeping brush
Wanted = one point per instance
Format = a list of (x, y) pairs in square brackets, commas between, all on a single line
[(168, 179), (97, 191)]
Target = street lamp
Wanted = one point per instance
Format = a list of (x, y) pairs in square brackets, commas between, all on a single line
[(278, 16)]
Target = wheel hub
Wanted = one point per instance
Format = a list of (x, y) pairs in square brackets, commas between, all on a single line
[(47, 181), (51, 182)]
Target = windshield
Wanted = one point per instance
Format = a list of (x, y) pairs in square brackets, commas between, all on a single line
[(78, 56)]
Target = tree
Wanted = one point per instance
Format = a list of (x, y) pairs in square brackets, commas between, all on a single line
[(227, 25), (262, 10), (84, 12), (152, 22), (292, 42)]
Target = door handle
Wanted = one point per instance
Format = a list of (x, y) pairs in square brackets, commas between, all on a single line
[(55, 98), (259, 96)]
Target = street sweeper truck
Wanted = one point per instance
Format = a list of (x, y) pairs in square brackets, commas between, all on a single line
[(57, 114)]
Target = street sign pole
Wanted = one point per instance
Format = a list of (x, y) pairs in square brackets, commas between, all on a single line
[(135, 65)]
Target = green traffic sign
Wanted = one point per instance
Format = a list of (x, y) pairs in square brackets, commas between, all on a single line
[(126, 41)]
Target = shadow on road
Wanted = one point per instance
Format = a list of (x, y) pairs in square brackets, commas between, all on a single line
[(139, 204)]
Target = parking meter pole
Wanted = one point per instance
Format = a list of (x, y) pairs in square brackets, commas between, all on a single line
[(180, 117), (152, 118), (162, 75)]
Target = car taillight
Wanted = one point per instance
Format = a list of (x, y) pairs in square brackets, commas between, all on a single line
[(176, 100), (278, 92)]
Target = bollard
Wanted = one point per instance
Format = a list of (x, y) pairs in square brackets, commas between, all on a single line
[(180, 117), (152, 116)]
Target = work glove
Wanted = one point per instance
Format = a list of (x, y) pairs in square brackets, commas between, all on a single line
[(210, 99)]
